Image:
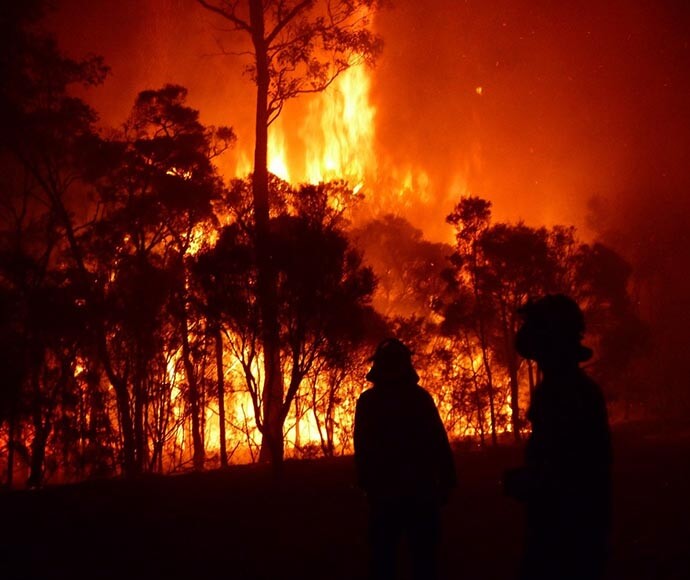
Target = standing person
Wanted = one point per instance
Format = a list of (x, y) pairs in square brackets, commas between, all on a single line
[(404, 463), (566, 478)]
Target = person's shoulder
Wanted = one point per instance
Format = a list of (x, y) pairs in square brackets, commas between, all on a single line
[(366, 396), (590, 386), (423, 395)]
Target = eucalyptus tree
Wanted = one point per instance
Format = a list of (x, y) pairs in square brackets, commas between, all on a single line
[(294, 47), (156, 185)]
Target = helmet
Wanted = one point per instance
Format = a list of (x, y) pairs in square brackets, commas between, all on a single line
[(391, 351), (552, 325), (392, 361)]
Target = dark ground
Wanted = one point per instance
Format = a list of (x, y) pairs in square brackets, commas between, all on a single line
[(238, 524)]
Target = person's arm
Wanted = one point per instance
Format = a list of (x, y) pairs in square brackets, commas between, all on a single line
[(361, 441), (446, 462)]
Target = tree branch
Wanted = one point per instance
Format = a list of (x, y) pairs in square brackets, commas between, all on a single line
[(286, 20), (238, 22)]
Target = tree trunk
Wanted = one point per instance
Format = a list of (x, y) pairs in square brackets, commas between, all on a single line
[(514, 394), (484, 346), (480, 411), (267, 279), (11, 426), (298, 442), (490, 388), (41, 432), (329, 418), (139, 432), (489, 378), (477, 394), (130, 465), (38, 452), (221, 398), (509, 338), (197, 441), (530, 376)]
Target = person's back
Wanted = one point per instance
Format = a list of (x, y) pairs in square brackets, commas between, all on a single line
[(401, 444), (565, 481), (404, 462), (570, 437), (568, 455)]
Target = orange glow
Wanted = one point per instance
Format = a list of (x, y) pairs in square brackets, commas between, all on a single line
[(277, 152), (333, 137), (460, 103), (339, 131), (338, 138)]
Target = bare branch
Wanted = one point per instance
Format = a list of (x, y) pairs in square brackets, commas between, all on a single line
[(228, 15), (286, 20), (222, 51)]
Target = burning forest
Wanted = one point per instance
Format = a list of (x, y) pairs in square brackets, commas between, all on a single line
[(195, 271)]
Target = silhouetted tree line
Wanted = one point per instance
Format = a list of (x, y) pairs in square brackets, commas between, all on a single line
[(458, 306), (131, 290)]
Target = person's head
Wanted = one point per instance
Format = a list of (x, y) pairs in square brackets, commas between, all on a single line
[(392, 364), (551, 332)]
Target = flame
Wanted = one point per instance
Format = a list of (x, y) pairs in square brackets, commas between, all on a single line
[(334, 139), (339, 130), (277, 152), (338, 137), (202, 236), (332, 135), (243, 164)]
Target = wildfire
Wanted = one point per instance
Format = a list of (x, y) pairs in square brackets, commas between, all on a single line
[(302, 431), (177, 373), (337, 134), (332, 135), (333, 139), (339, 131), (277, 152), (338, 138)]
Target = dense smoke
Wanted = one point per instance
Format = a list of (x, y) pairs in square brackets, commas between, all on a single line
[(577, 98), (583, 118), (651, 227)]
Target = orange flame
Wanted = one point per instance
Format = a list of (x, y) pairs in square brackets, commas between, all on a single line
[(339, 131)]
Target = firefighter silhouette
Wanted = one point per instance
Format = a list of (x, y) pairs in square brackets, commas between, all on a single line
[(404, 463), (565, 482)]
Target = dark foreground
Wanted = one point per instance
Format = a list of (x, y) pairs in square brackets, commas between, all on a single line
[(239, 524)]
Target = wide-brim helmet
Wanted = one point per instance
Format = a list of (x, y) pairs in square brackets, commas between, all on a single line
[(552, 325), (392, 361)]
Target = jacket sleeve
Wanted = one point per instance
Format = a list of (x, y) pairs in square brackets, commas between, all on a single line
[(361, 440), (444, 453)]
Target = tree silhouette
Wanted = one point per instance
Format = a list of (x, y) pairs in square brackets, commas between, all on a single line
[(296, 47), (516, 266), (323, 291), (471, 218), (44, 127), (496, 267), (408, 266), (156, 184), (12, 356)]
